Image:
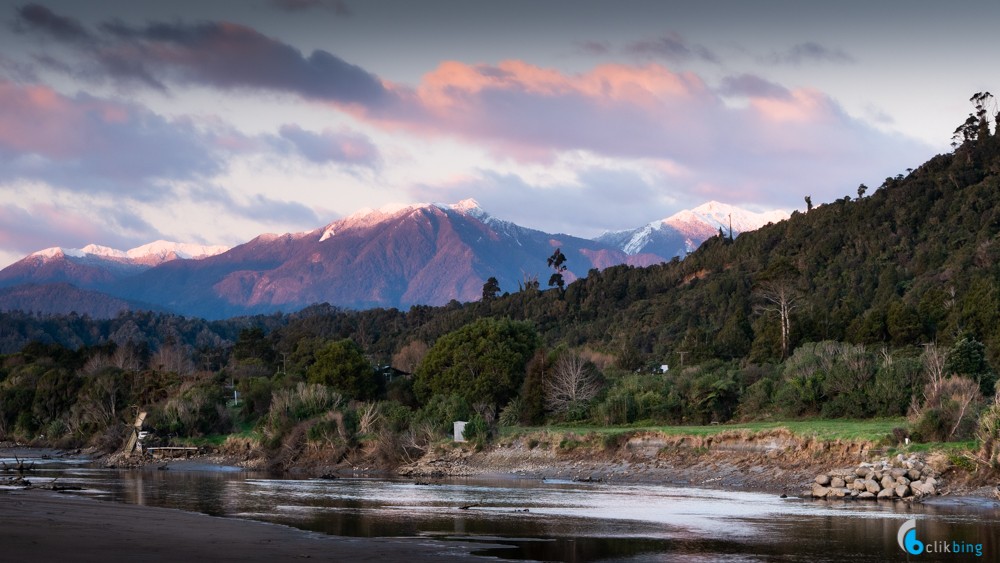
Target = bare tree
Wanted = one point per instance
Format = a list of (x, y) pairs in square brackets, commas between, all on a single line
[(410, 356), (126, 358), (781, 297), (570, 383), (174, 358)]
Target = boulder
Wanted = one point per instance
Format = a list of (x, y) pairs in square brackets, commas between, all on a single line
[(902, 481), (823, 480), (861, 472), (887, 481), (871, 486), (819, 491), (902, 491), (913, 474), (837, 483), (897, 473), (866, 494), (931, 481), (886, 493), (838, 493)]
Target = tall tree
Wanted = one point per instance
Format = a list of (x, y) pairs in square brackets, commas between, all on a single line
[(558, 263), (491, 289)]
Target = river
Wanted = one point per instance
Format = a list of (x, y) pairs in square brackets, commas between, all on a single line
[(556, 520)]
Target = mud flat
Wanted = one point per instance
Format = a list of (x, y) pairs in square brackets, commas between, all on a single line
[(45, 526)]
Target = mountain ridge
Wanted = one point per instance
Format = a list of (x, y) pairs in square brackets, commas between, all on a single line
[(395, 256)]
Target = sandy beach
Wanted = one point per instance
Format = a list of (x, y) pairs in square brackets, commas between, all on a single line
[(46, 526)]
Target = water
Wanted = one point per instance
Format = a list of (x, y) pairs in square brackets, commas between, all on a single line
[(553, 520)]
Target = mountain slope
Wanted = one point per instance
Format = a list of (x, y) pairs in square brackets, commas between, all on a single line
[(419, 254)]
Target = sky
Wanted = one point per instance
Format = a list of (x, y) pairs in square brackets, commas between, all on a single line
[(124, 122)]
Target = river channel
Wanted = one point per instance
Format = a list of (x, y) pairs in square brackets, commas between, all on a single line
[(554, 520)]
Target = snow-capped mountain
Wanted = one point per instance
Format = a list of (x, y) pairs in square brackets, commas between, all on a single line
[(151, 254), (682, 233), (395, 256), (94, 265)]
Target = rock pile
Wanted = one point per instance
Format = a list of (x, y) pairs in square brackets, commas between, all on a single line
[(903, 479)]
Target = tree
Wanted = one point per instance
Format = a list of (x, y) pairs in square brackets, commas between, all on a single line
[(809, 204), (342, 365), (491, 289), (977, 125), (410, 356), (558, 263), (861, 191), (779, 294), (482, 362), (572, 383)]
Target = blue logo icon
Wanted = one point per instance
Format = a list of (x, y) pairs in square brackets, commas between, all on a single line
[(907, 538)]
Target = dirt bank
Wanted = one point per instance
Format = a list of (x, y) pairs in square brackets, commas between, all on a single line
[(775, 461)]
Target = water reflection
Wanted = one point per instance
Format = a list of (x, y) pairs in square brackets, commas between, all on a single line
[(555, 520)]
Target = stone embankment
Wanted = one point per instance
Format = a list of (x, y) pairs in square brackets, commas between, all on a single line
[(902, 478)]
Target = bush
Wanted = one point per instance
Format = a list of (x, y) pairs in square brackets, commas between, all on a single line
[(476, 430)]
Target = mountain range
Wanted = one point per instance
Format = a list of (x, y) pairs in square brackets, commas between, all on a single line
[(397, 256)]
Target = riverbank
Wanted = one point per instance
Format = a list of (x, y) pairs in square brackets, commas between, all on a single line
[(45, 526), (773, 461)]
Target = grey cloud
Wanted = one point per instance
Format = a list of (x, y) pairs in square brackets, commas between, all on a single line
[(27, 230), (338, 7), (331, 146), (220, 54), (258, 207), (752, 86), (593, 47), (601, 200), (671, 47), (810, 52), (34, 17), (97, 146)]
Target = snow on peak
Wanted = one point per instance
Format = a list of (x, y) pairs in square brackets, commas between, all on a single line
[(163, 251), (368, 217), (713, 215), (104, 251), (150, 254), (466, 205), (56, 252)]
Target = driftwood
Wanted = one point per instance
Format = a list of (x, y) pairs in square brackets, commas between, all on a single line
[(21, 468)]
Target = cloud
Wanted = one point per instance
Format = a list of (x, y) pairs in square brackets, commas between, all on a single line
[(257, 207), (338, 7), (671, 47), (752, 86), (343, 146), (810, 52), (218, 54), (593, 47), (34, 17), (27, 229), (97, 145)]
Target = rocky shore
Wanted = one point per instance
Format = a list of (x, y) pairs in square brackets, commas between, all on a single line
[(903, 478)]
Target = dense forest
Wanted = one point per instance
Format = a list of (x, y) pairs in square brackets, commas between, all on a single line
[(877, 304)]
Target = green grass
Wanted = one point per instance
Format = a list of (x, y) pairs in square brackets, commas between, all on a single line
[(870, 430), (244, 430)]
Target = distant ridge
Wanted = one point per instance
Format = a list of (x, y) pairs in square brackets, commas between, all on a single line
[(396, 256)]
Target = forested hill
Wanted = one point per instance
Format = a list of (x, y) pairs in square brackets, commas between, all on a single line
[(906, 263)]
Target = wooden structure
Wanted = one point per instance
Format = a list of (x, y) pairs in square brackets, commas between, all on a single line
[(133, 439)]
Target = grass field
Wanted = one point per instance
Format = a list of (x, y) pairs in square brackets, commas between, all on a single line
[(872, 430)]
